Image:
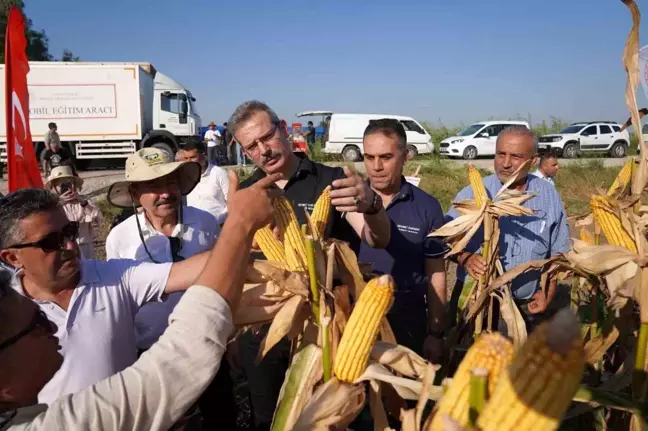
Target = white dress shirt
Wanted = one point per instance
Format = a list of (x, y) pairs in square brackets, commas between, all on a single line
[(96, 332), (198, 233), (158, 389), (212, 137), (540, 174), (210, 194)]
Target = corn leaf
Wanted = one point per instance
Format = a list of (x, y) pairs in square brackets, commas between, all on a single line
[(333, 405), (288, 317), (400, 359), (596, 347)]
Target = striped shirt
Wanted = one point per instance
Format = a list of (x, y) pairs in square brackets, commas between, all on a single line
[(524, 238)]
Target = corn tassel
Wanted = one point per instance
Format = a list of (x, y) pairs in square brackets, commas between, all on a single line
[(321, 212), (362, 329), (271, 247), (492, 352), (479, 191), (294, 243), (537, 389), (622, 180), (610, 223)]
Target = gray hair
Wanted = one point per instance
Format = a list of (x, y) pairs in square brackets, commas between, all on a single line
[(18, 206), (521, 130), (245, 110)]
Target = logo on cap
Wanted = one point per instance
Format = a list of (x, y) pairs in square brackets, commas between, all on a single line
[(152, 159)]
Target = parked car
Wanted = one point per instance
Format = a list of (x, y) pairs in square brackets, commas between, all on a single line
[(593, 136), (344, 133), (477, 140)]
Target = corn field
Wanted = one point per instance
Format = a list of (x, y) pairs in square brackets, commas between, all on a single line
[(585, 368)]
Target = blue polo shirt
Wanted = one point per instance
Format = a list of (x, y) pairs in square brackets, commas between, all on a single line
[(413, 215)]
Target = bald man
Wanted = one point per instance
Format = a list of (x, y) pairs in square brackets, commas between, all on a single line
[(524, 238)]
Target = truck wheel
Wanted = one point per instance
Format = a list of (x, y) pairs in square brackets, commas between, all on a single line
[(351, 153), (470, 153), (619, 149), (570, 151), (164, 147), (411, 152)]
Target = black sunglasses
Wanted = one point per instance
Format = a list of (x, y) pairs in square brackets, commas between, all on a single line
[(39, 320), (54, 241)]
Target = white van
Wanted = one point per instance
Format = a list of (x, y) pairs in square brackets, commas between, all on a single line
[(476, 140), (344, 133)]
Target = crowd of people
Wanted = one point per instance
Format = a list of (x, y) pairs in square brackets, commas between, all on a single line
[(143, 339)]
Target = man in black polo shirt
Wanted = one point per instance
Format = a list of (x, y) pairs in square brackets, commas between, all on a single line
[(358, 215), (415, 261)]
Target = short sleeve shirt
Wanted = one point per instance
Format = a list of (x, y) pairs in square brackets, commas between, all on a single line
[(96, 332), (304, 188), (413, 214)]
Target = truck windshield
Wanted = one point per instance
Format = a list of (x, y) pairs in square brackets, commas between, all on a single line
[(471, 130)]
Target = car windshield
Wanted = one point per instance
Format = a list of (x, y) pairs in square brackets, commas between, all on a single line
[(571, 129), (471, 130)]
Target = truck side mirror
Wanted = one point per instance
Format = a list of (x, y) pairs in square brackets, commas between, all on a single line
[(184, 107)]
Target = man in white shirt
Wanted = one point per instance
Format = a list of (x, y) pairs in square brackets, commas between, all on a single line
[(166, 231), (210, 193), (92, 303), (547, 166), (156, 391), (212, 137)]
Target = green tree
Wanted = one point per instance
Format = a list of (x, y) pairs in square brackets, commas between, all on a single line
[(37, 41), (68, 56)]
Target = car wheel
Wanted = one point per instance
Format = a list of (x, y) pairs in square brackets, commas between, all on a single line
[(570, 151), (411, 151), (619, 149), (470, 153), (164, 147), (351, 153)]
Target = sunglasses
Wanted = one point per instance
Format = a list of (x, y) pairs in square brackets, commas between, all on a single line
[(39, 320), (54, 241)]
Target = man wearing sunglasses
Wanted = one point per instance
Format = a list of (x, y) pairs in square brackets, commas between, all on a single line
[(166, 231), (93, 303), (155, 392), (357, 215)]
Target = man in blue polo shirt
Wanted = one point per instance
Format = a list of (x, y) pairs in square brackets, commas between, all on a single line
[(417, 315)]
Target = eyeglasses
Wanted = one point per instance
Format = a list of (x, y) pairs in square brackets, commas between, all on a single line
[(54, 241), (253, 148), (39, 320)]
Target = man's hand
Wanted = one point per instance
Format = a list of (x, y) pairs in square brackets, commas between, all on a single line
[(68, 197), (539, 303), (433, 349), (474, 264), (253, 205), (351, 194)]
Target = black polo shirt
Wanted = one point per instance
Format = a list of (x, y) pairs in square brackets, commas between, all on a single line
[(302, 190), (413, 214)]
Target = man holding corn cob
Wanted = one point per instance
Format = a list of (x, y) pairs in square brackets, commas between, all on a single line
[(414, 260), (523, 238), (358, 216)]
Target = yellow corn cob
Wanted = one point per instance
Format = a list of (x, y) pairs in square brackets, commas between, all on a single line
[(623, 178), (492, 352), (321, 211), (586, 236), (479, 191), (271, 247), (537, 388), (293, 238), (362, 328), (610, 223)]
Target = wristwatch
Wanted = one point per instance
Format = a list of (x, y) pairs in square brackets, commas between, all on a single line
[(376, 205)]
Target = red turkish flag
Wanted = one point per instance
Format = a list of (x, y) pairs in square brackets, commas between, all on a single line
[(22, 165)]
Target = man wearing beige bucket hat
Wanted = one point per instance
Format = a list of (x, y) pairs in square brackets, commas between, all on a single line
[(165, 231), (67, 186)]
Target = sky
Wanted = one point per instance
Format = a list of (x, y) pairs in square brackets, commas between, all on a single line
[(448, 61)]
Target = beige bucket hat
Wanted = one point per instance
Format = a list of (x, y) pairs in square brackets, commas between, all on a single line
[(60, 174), (150, 164)]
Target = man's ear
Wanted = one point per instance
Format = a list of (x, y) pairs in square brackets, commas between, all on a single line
[(11, 258)]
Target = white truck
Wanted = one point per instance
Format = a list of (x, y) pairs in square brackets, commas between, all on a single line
[(106, 110)]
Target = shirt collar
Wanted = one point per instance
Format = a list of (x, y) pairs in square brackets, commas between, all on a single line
[(207, 170), (405, 192)]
